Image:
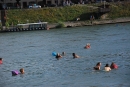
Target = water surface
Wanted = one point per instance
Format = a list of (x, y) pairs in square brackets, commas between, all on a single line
[(32, 51)]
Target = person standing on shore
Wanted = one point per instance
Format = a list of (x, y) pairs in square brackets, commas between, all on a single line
[(77, 19), (92, 18)]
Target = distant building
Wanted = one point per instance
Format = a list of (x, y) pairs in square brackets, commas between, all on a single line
[(26, 3)]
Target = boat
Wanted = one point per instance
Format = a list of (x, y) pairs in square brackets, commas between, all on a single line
[(27, 27)]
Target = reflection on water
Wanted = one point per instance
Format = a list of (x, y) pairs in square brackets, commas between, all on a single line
[(33, 51)]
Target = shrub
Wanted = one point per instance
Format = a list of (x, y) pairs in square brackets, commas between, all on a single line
[(60, 25)]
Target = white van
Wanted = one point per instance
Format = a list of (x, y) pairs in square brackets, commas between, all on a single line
[(34, 6)]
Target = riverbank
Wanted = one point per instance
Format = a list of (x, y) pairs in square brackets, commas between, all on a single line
[(73, 24), (88, 23)]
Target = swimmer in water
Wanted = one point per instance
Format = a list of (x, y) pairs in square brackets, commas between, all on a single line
[(97, 67), (15, 72), (63, 53), (22, 70), (113, 66), (87, 46), (58, 56), (107, 67), (1, 60), (75, 56)]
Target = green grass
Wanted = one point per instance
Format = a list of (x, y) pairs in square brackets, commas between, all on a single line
[(120, 10), (69, 13), (63, 14)]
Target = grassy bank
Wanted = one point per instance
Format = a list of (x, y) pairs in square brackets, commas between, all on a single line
[(48, 14), (63, 14), (120, 10)]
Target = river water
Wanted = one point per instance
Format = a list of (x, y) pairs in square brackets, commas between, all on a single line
[(32, 50)]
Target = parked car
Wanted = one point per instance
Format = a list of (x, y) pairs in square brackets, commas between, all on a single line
[(34, 6)]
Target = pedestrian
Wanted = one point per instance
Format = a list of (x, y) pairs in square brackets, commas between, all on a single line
[(92, 18)]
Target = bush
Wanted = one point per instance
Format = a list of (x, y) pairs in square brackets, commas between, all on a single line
[(60, 25), (120, 10), (7, 25)]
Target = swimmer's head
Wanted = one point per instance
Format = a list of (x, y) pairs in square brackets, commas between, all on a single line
[(1, 59), (88, 43), (58, 54), (99, 64), (107, 65), (22, 71), (73, 54), (63, 53)]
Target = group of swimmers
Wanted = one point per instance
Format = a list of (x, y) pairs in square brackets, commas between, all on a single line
[(98, 65), (14, 72), (58, 56), (107, 67)]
